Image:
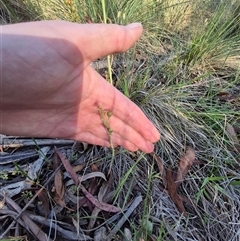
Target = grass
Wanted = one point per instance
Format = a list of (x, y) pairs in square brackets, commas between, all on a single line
[(189, 53)]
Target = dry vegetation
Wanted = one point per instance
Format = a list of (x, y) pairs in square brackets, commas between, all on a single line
[(184, 74)]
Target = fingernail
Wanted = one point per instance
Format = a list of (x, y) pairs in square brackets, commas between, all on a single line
[(134, 25)]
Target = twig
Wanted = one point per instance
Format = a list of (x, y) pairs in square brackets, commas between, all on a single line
[(18, 156), (65, 233), (10, 142), (124, 218)]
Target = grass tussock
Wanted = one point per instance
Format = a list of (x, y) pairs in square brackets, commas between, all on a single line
[(184, 74)]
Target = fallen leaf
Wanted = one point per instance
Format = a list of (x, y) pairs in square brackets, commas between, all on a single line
[(103, 206), (172, 191), (35, 167), (225, 96), (93, 184), (2, 202), (42, 196), (104, 195), (79, 168), (29, 224), (86, 177), (80, 203), (236, 129), (160, 167), (184, 165), (89, 196), (233, 135), (127, 234), (80, 147), (94, 168), (231, 132), (58, 183), (94, 215), (68, 166), (100, 234)]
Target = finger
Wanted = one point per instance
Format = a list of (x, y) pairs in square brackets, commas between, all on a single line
[(123, 109), (121, 134), (96, 132), (99, 40), (96, 140)]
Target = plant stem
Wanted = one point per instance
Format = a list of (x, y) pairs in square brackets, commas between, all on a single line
[(108, 57)]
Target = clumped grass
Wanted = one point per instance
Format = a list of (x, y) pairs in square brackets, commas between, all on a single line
[(190, 52)]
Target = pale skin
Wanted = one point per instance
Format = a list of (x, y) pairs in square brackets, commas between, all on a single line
[(49, 89)]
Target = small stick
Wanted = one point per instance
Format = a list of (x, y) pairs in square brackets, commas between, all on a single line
[(7, 142), (126, 215)]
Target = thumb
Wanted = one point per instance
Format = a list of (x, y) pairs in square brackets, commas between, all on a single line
[(98, 40)]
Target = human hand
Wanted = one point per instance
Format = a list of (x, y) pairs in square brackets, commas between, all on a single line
[(49, 89)]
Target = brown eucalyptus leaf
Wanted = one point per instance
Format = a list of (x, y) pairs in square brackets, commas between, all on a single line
[(80, 203), (58, 182), (225, 96), (101, 205), (90, 197), (160, 167), (68, 167), (184, 165), (172, 191), (94, 168), (79, 167), (232, 133), (104, 195), (93, 219)]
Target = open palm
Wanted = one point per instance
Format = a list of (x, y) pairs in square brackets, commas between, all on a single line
[(49, 88)]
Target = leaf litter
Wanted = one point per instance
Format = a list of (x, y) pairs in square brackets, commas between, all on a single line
[(85, 222), (172, 181), (98, 204)]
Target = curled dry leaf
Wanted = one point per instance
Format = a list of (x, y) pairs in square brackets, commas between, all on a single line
[(172, 191), (80, 147), (184, 165), (86, 177)]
